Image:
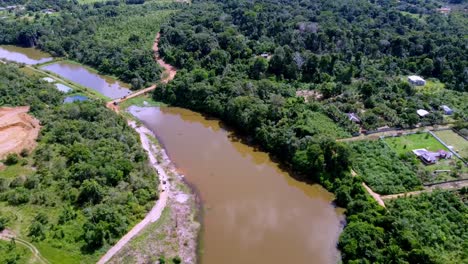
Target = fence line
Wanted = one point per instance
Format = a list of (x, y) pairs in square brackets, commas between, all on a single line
[(445, 145)]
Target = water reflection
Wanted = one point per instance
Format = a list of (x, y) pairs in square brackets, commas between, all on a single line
[(255, 212), (23, 55), (81, 75)]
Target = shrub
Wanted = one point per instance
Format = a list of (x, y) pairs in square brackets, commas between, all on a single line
[(11, 159)]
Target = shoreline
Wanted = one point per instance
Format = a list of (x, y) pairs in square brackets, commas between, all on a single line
[(176, 196)]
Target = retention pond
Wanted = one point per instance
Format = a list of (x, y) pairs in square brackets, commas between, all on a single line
[(23, 55), (254, 212), (83, 76)]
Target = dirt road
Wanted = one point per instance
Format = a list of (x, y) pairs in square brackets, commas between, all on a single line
[(167, 76), (157, 209), (18, 130), (444, 185), (155, 213), (390, 133)]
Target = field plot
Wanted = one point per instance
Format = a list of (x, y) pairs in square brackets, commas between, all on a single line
[(405, 144), (442, 170), (459, 144)]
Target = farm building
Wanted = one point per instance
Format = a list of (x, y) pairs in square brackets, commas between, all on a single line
[(353, 118), (416, 80), (422, 112), (447, 110), (48, 79), (429, 157)]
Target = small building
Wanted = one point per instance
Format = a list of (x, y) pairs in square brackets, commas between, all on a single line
[(429, 157), (444, 10), (265, 56), (48, 79), (422, 112), (447, 110), (48, 11), (416, 80), (353, 118)]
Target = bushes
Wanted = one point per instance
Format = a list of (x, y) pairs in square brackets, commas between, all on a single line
[(11, 159), (88, 162), (382, 169)]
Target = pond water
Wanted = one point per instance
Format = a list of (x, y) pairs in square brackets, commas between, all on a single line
[(24, 55), (254, 212), (81, 75), (75, 98)]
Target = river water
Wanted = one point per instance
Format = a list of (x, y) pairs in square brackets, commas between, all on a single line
[(81, 75), (23, 55), (254, 212)]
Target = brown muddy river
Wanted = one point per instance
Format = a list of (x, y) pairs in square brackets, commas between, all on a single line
[(23, 55), (254, 212), (81, 75)]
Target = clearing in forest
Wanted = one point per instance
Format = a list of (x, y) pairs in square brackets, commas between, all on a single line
[(18, 130), (405, 144), (442, 170)]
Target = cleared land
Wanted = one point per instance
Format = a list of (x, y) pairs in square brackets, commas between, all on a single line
[(18, 130), (407, 143), (443, 170)]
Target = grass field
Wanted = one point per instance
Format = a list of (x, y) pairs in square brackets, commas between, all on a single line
[(460, 145), (405, 144)]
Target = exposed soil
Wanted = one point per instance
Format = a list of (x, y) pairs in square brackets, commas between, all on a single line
[(167, 76), (443, 186), (182, 229), (18, 130), (178, 235)]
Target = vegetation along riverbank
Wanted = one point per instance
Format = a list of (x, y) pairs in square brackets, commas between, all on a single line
[(247, 67), (291, 76)]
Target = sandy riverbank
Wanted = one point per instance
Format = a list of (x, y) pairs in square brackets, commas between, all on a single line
[(180, 232)]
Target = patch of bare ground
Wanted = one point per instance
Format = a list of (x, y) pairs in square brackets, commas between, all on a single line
[(18, 130), (309, 94), (174, 234)]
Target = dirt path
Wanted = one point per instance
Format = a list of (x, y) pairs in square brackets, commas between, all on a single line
[(377, 197), (155, 213), (444, 186), (157, 209), (376, 136), (8, 236), (167, 76)]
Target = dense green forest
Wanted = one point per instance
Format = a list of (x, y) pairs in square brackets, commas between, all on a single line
[(354, 54), (114, 38), (244, 61), (86, 183)]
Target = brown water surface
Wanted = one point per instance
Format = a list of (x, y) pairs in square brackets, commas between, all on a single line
[(254, 211), (23, 55), (80, 74)]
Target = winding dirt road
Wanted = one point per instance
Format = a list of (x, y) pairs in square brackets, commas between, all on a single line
[(168, 74)]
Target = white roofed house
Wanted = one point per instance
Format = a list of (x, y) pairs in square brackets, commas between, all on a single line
[(447, 110), (416, 80), (422, 112)]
